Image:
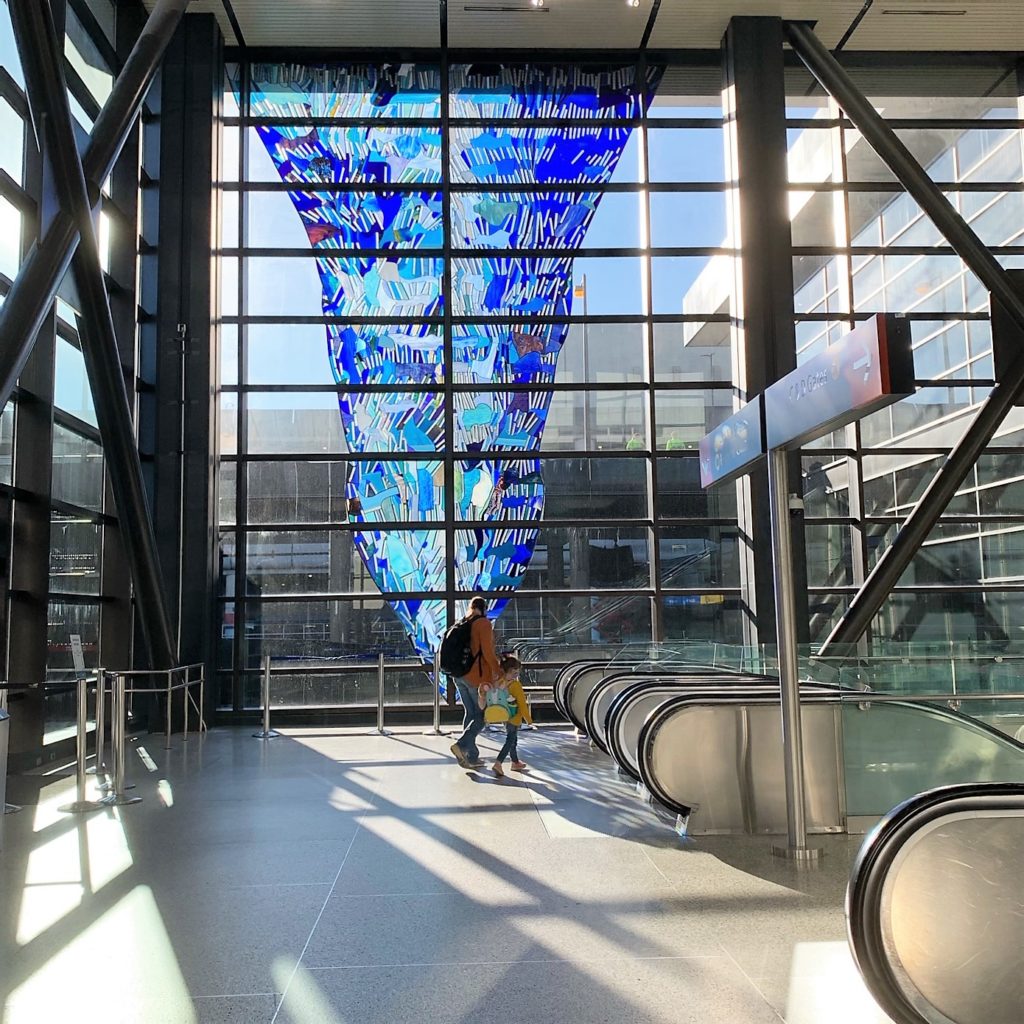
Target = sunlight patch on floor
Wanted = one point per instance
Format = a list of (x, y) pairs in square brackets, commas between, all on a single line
[(824, 984)]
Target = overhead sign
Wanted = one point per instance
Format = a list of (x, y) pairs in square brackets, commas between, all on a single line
[(732, 447), (865, 370)]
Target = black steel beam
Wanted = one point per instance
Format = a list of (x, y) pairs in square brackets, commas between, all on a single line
[(35, 287), (754, 82), (51, 115), (897, 558)]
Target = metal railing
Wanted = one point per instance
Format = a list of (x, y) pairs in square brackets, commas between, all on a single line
[(117, 795), (267, 733)]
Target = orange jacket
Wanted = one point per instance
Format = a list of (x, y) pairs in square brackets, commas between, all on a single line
[(485, 668)]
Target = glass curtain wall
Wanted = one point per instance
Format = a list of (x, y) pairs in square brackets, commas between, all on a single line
[(461, 352), (51, 457), (863, 246)]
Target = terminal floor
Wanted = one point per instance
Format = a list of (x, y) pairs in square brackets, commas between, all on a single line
[(333, 877)]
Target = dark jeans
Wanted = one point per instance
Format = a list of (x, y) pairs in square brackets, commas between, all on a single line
[(511, 740), (472, 722)]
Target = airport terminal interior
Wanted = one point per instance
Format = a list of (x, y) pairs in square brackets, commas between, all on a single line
[(687, 336)]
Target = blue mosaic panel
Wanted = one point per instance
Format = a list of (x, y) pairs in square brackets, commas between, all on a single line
[(409, 285)]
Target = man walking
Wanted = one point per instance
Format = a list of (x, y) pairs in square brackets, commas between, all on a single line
[(484, 669)]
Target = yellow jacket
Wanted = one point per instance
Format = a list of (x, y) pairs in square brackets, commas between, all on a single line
[(515, 689)]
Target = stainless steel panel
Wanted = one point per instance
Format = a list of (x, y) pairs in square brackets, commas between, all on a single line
[(821, 771), (579, 691), (726, 762), (953, 918)]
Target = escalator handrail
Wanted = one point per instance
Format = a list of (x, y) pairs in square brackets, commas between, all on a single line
[(875, 859), (671, 686), (640, 670), (564, 677)]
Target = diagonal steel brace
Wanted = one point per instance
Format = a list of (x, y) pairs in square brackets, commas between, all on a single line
[(978, 257), (35, 286), (47, 96)]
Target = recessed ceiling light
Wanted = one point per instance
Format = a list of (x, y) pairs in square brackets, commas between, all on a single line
[(632, 3), (537, 3)]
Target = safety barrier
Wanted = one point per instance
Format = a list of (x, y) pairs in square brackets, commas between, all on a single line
[(117, 795), (267, 733)]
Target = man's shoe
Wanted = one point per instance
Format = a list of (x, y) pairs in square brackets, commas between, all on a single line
[(459, 755)]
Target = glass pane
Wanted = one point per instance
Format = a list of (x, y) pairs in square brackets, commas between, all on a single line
[(310, 631), (587, 558), (826, 488), (680, 495), (7, 443), (545, 220), (12, 142), (346, 90), (569, 488), (932, 417), (296, 492), (603, 354), (692, 352), (64, 620), (691, 285), (9, 58), (685, 416), (71, 391), (686, 154), (585, 619), (77, 469), (829, 555), (288, 354), (343, 219), (596, 421), (85, 58), (226, 492), (279, 424), (688, 218), (702, 617), (699, 557), (10, 238), (75, 553), (525, 91), (320, 561), (936, 749)]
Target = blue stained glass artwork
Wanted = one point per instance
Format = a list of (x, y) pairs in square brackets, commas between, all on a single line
[(506, 498)]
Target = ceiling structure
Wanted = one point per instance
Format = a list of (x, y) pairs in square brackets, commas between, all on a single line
[(903, 25)]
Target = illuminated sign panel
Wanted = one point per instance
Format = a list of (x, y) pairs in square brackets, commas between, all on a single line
[(733, 446), (865, 370)]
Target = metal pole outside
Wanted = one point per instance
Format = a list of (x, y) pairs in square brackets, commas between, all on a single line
[(380, 730), (266, 733), (796, 847), (101, 722), (436, 730), (119, 741), (81, 804)]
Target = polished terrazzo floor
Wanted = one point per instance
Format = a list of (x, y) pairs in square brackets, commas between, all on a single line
[(335, 877)]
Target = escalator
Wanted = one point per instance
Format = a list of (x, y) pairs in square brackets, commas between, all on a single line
[(935, 907)]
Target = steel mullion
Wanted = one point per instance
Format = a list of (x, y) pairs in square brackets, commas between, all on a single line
[(239, 654)]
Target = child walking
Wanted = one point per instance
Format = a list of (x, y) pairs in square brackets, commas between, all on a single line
[(510, 666)]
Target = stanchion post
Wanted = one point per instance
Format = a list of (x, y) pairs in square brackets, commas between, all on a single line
[(437, 730), (81, 805), (380, 730), (266, 733), (167, 737), (184, 708), (101, 721), (119, 741)]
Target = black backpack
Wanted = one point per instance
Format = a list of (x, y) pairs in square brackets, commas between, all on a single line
[(456, 655)]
